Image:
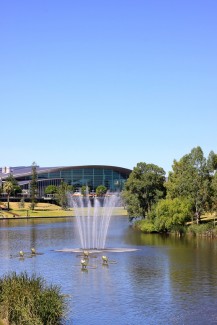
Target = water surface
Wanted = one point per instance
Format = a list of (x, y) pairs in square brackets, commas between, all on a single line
[(167, 280)]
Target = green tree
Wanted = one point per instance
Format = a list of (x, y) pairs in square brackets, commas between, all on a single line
[(212, 162), (85, 190), (22, 203), (71, 188), (33, 186), (50, 189), (62, 195), (214, 195), (16, 188), (8, 188), (101, 190), (190, 178), (172, 213), (144, 187)]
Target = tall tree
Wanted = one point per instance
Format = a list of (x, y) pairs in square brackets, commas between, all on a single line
[(214, 195), (212, 162), (33, 186), (61, 195), (8, 188), (144, 187), (190, 178)]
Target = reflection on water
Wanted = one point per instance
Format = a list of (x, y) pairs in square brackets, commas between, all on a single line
[(168, 280)]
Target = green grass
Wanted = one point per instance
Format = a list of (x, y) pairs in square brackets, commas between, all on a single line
[(41, 210), (45, 210), (29, 300)]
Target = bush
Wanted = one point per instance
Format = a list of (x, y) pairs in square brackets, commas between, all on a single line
[(21, 204), (179, 230), (202, 229), (28, 300), (145, 226)]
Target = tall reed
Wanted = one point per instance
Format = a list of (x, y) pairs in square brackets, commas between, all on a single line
[(28, 300)]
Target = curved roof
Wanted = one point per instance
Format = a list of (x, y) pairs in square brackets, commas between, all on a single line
[(26, 171), (116, 168)]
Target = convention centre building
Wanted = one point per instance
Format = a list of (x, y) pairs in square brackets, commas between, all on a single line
[(91, 175)]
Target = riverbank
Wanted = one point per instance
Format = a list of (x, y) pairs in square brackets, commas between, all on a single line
[(206, 228), (42, 210)]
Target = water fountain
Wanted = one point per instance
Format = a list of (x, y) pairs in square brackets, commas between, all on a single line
[(93, 215)]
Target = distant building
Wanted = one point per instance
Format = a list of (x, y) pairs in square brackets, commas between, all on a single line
[(92, 176)]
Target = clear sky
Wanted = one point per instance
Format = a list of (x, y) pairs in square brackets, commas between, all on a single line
[(112, 82)]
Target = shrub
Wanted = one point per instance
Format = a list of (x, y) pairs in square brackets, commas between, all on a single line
[(202, 229), (21, 204), (28, 300), (179, 230), (145, 226)]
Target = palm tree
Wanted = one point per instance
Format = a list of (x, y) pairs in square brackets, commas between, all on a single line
[(8, 188)]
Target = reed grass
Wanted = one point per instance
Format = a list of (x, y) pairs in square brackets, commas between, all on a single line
[(26, 300)]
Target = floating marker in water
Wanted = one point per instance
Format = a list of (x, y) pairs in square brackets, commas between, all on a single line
[(84, 263), (104, 260), (86, 254)]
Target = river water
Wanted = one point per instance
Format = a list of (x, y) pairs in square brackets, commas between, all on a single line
[(165, 280)]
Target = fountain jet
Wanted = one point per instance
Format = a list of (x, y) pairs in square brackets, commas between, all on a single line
[(93, 217)]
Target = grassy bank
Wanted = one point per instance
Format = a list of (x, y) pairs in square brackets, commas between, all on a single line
[(207, 227), (43, 210)]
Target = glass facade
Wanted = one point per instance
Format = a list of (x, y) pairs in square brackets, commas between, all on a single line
[(92, 176)]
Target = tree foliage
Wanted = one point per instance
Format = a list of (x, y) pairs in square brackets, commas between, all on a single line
[(190, 179), (214, 193), (11, 187), (71, 188), (50, 189), (8, 188), (33, 186), (170, 213), (144, 187), (85, 190), (62, 194), (212, 162), (191, 191), (101, 190), (16, 188)]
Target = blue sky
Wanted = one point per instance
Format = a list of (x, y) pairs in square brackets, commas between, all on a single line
[(107, 82)]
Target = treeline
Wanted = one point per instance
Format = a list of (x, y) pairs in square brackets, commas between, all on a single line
[(60, 193), (164, 205)]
